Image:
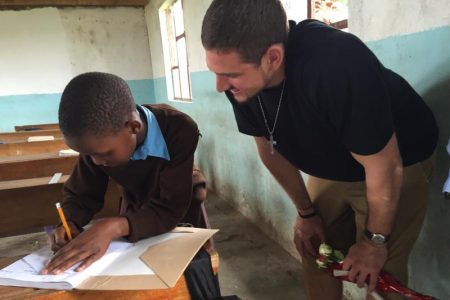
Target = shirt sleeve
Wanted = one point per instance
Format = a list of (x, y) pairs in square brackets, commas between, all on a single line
[(347, 87), (84, 191), (160, 215)]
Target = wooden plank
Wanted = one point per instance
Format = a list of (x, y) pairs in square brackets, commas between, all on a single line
[(22, 136), (28, 207), (25, 148), (28, 157), (30, 203), (28, 182), (28, 3), (31, 127), (22, 169)]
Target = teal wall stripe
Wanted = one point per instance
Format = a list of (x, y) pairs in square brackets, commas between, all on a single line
[(43, 108)]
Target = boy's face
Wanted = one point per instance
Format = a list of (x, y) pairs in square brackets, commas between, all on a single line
[(110, 150), (243, 80)]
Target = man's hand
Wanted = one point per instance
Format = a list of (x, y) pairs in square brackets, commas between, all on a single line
[(364, 262), (304, 230), (88, 246)]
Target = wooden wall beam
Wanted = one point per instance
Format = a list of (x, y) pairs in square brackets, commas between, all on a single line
[(31, 3)]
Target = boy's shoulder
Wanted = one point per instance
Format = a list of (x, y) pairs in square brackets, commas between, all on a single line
[(167, 113), (171, 119)]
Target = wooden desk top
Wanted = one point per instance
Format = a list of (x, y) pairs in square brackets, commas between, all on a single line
[(179, 292), (23, 183)]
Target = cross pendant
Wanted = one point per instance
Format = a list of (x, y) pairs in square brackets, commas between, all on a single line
[(272, 143)]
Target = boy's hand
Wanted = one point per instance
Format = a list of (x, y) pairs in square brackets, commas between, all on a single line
[(88, 246), (58, 238)]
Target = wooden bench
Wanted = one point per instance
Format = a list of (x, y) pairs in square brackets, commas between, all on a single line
[(22, 136), (29, 204), (28, 201), (33, 127), (26, 148), (35, 165)]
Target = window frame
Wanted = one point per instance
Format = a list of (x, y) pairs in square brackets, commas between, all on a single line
[(177, 88)]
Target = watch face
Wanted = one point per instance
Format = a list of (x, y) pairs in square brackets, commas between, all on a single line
[(378, 239)]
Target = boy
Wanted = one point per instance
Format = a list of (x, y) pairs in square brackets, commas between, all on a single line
[(148, 150)]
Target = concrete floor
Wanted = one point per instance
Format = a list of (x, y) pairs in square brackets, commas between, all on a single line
[(251, 265)]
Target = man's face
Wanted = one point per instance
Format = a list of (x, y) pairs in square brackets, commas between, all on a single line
[(243, 80), (110, 150)]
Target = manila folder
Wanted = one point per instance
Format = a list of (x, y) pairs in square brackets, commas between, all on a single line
[(167, 260)]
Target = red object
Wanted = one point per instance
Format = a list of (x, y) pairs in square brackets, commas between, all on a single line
[(386, 283)]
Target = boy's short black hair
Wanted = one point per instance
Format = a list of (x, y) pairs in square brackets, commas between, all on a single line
[(94, 103), (246, 26)]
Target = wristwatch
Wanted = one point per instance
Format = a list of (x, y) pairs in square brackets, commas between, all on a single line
[(376, 238)]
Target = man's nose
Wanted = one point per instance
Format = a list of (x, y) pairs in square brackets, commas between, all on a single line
[(222, 83)]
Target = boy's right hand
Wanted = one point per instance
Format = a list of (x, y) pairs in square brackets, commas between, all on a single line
[(59, 238)]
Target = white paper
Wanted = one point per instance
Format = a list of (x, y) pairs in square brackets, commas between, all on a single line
[(67, 152), (446, 188), (40, 138), (55, 178), (121, 258), (448, 147)]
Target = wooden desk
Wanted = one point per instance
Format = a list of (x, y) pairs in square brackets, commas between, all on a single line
[(33, 127), (30, 203), (26, 148), (179, 292), (36, 165), (22, 136)]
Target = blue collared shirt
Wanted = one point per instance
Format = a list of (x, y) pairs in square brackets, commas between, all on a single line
[(154, 143)]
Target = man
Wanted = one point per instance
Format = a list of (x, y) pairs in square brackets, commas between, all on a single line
[(316, 99)]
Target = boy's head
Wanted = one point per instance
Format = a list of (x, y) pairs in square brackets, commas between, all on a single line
[(244, 43), (98, 117)]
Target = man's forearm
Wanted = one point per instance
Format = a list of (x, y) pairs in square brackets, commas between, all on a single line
[(383, 198), (384, 175), (286, 175)]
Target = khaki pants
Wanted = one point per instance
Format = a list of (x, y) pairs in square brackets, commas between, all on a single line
[(343, 209)]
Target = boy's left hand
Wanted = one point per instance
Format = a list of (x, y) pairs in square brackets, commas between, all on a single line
[(88, 247)]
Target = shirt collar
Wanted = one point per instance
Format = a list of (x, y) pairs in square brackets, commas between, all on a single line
[(154, 143)]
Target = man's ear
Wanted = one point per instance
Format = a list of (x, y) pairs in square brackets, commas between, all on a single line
[(274, 56)]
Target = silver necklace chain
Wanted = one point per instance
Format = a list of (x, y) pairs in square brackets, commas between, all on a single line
[(272, 142)]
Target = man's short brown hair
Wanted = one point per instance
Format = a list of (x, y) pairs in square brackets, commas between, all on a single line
[(246, 26)]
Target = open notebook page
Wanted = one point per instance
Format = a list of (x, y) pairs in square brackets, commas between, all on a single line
[(121, 258)]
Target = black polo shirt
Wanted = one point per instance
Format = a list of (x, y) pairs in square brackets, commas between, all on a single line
[(338, 99)]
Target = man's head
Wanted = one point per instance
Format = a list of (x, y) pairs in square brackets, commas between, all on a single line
[(98, 117), (244, 40)]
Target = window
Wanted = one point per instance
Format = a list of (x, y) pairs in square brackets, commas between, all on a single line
[(296, 9), (332, 12), (174, 49)]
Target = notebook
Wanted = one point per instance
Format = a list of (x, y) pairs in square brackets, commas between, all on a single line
[(121, 264)]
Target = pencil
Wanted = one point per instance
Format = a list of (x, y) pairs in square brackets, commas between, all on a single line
[(64, 221)]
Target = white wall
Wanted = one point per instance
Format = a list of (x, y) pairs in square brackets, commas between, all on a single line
[(374, 20), (42, 49)]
